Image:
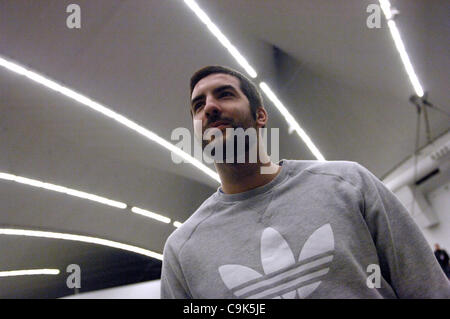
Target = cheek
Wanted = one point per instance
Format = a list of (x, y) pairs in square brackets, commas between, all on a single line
[(247, 118), (198, 129)]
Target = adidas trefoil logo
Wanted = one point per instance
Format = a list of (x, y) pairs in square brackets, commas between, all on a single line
[(283, 277)]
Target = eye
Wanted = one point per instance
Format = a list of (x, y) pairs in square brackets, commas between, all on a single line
[(197, 106), (225, 94)]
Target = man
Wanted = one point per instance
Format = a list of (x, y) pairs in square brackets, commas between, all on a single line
[(442, 258), (305, 229)]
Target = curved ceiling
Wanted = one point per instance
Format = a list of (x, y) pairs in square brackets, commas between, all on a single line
[(343, 82)]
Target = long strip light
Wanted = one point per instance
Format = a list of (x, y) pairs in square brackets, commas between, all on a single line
[(221, 37), (149, 214), (83, 195), (125, 121), (79, 238), (386, 7), (293, 125), (11, 273), (107, 112), (62, 189), (177, 224)]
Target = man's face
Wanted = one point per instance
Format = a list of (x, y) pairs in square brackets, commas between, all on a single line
[(217, 101)]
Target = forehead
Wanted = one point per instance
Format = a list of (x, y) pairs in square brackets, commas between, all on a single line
[(213, 81)]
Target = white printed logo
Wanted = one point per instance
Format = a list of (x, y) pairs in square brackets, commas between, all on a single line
[(74, 279), (74, 19), (374, 20), (283, 278)]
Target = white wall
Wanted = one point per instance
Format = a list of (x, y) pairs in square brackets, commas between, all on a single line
[(440, 202), (432, 201), (143, 290)]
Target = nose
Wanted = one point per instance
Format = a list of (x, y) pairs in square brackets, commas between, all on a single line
[(212, 108)]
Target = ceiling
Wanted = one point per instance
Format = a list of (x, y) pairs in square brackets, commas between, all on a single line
[(343, 82)]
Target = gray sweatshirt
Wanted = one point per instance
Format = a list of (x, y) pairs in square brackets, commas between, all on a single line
[(318, 230)]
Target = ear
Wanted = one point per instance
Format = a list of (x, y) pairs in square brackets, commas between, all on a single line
[(261, 116)]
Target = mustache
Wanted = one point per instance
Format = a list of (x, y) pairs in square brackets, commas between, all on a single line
[(213, 120)]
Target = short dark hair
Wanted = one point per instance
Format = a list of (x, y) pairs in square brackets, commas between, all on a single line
[(247, 87)]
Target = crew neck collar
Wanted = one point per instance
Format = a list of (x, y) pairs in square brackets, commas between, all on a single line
[(258, 190)]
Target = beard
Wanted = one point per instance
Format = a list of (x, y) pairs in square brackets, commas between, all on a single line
[(236, 144)]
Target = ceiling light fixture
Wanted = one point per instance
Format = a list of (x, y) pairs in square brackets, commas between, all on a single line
[(221, 37), (107, 112), (61, 189), (386, 7), (83, 195), (11, 273), (79, 238), (293, 125), (177, 224), (149, 214)]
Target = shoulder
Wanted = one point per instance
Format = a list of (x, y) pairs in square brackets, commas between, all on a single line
[(182, 234), (351, 174), (346, 170)]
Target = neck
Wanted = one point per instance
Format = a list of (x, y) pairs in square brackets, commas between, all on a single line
[(241, 177)]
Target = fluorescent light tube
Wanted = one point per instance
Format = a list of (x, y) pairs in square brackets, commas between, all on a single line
[(83, 195), (386, 6), (79, 238), (62, 189), (177, 224), (221, 37), (11, 273), (149, 214), (293, 125), (107, 112), (243, 62), (405, 58)]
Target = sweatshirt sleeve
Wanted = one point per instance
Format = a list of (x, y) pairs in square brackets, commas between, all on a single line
[(406, 260), (173, 284)]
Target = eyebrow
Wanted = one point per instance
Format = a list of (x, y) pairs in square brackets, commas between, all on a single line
[(215, 91)]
